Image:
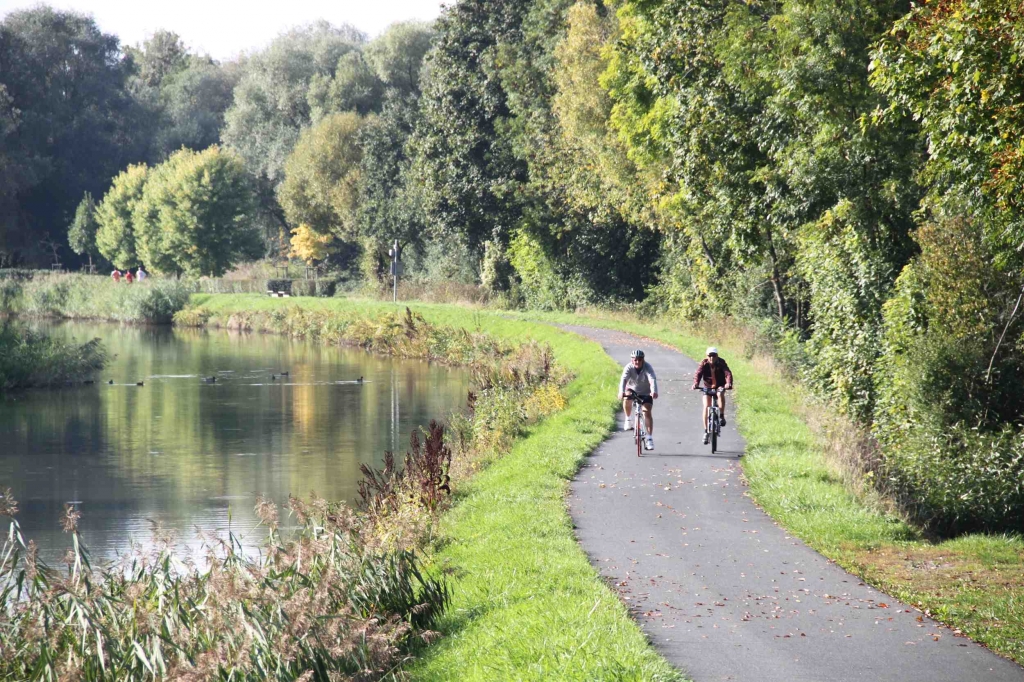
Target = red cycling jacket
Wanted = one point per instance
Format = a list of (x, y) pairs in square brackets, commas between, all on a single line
[(713, 375)]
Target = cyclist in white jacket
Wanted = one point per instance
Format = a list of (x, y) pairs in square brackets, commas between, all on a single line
[(639, 376)]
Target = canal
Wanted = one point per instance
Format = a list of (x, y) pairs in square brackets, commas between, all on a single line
[(219, 417)]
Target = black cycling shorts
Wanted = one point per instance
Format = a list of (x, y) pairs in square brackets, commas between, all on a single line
[(643, 399)]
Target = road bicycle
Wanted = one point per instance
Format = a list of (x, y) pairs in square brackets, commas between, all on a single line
[(639, 423), (714, 424)]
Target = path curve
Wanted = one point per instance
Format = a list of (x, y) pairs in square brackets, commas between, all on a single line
[(721, 590)]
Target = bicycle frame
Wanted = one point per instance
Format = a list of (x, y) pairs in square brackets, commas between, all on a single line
[(714, 423), (639, 423)]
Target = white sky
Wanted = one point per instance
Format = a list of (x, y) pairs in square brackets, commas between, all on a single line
[(223, 28)]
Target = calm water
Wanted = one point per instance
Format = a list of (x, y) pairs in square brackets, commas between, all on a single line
[(186, 454)]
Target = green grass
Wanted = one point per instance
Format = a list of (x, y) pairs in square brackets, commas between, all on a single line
[(526, 603), (974, 583)]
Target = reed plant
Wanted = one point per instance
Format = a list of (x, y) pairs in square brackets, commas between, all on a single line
[(31, 359), (317, 605), (154, 300)]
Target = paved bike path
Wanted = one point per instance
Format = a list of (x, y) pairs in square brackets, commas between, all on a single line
[(721, 590)]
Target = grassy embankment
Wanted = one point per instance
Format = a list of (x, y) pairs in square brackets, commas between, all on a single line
[(519, 575), (972, 583), (526, 604)]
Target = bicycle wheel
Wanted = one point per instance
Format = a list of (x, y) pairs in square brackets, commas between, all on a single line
[(714, 437), (710, 428), (638, 432)]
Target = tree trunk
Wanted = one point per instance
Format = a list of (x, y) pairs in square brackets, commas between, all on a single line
[(707, 251), (776, 279)]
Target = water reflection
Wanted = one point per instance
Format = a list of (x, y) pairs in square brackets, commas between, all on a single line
[(182, 452)]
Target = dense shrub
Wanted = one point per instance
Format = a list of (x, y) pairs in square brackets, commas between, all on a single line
[(19, 274), (950, 427), (540, 285), (849, 273), (29, 358), (321, 286)]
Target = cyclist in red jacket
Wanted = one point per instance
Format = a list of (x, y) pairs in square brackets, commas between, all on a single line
[(714, 372)]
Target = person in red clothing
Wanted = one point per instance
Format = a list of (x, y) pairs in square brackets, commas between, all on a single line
[(714, 372), (129, 277)]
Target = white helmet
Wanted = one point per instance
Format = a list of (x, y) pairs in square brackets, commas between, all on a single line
[(711, 351)]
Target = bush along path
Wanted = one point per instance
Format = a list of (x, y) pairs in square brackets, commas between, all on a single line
[(721, 590)]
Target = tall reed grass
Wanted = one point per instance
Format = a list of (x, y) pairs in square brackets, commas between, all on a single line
[(319, 605), (31, 359), (96, 297)]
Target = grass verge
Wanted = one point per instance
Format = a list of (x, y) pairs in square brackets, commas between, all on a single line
[(972, 583), (526, 604)]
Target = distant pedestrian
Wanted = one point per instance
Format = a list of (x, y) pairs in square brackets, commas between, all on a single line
[(116, 275), (141, 274), (128, 276)]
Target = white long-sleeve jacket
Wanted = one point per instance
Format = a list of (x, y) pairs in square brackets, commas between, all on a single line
[(644, 381)]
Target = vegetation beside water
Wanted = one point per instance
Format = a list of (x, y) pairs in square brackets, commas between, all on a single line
[(315, 605), (30, 359), (96, 298), (364, 567)]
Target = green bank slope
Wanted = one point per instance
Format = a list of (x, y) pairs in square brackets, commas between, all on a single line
[(526, 605)]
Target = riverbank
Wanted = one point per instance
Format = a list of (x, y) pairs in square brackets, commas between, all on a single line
[(525, 602), (392, 603), (972, 583), (92, 297)]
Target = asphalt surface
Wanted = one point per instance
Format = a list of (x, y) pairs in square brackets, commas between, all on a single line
[(721, 590)]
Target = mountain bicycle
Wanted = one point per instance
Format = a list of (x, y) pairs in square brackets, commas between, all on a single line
[(639, 423), (714, 424)]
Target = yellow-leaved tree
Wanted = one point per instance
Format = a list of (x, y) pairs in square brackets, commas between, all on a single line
[(311, 246)]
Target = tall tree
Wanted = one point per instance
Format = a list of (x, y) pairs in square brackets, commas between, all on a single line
[(271, 102), (321, 187), (389, 206), (842, 189), (274, 101), (17, 172), (66, 78), (352, 87), (469, 176), (195, 214), (115, 232), (397, 55), (82, 231)]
